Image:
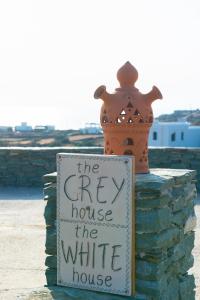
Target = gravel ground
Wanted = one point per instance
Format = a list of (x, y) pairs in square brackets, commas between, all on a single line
[(22, 245), (196, 252)]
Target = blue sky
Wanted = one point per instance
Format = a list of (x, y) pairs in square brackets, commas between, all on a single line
[(54, 54)]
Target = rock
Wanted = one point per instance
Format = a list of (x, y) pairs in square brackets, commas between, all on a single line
[(154, 220), (164, 239), (187, 288)]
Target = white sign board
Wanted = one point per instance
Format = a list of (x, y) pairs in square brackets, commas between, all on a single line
[(94, 222)]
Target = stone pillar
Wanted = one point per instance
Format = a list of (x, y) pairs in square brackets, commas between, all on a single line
[(165, 221)]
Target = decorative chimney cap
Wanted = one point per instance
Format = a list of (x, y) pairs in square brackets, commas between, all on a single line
[(127, 75), (126, 117)]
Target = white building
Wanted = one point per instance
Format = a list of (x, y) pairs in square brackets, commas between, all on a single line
[(91, 128), (23, 127), (6, 129), (44, 128), (174, 134)]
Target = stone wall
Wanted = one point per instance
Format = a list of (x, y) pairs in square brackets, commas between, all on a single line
[(26, 166), (176, 158), (164, 237)]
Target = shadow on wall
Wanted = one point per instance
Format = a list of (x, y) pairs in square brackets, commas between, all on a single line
[(57, 292)]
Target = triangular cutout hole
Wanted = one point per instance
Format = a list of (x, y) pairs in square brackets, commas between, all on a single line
[(118, 121), (129, 105), (130, 121), (136, 113), (122, 113)]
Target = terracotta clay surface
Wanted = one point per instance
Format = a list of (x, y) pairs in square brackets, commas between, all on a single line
[(126, 117)]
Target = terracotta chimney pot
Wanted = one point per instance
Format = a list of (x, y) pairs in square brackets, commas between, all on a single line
[(126, 117)]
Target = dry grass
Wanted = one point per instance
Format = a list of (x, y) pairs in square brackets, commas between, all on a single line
[(46, 141), (23, 143), (81, 137), (93, 139)]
